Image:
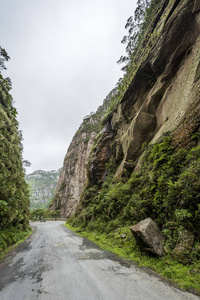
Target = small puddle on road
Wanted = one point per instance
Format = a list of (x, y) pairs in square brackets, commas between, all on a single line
[(92, 255), (60, 245)]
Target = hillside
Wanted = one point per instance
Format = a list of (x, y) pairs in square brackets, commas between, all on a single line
[(130, 179), (159, 95), (14, 196), (140, 161), (42, 187)]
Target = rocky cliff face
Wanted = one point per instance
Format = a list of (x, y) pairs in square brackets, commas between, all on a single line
[(163, 95), (73, 176), (42, 187), (165, 84), (150, 108)]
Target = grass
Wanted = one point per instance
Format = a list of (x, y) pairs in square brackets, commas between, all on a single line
[(18, 239), (186, 277)]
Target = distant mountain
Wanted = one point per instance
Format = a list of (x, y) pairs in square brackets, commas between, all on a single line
[(42, 186)]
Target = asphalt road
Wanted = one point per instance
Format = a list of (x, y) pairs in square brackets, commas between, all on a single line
[(56, 264)]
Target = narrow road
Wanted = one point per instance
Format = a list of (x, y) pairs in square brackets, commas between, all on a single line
[(56, 264)]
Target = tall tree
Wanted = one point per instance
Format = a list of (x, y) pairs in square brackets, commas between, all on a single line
[(136, 25)]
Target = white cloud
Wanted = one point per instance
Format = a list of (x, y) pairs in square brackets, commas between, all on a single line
[(63, 64)]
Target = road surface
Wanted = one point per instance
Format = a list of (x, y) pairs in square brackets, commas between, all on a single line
[(56, 264)]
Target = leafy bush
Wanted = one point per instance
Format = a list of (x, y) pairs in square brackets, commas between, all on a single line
[(11, 236)]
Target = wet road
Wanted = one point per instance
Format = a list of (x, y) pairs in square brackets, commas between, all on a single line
[(56, 264)]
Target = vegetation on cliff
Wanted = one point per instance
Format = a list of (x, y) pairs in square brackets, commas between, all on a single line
[(14, 195), (96, 120), (167, 189), (164, 183)]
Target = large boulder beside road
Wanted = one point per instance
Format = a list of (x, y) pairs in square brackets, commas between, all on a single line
[(148, 236)]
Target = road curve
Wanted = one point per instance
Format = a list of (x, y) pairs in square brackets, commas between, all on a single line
[(56, 264)]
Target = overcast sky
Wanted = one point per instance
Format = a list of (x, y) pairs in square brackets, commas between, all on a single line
[(63, 65)]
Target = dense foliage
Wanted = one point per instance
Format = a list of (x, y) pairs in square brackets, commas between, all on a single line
[(11, 236), (14, 195), (166, 188), (40, 213)]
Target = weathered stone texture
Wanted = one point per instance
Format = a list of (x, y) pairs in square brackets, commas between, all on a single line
[(166, 83), (148, 236), (163, 93), (96, 172), (73, 175)]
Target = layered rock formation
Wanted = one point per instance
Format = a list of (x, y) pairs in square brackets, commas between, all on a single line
[(73, 175), (166, 82)]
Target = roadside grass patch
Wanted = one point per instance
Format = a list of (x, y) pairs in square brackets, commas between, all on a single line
[(10, 238), (186, 277)]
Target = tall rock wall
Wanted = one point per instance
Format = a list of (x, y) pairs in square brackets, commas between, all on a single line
[(164, 88), (163, 95), (166, 83), (73, 175)]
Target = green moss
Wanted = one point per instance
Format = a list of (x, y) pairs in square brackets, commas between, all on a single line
[(62, 187)]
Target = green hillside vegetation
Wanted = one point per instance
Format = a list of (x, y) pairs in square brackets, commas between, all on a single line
[(14, 195), (165, 186), (42, 185)]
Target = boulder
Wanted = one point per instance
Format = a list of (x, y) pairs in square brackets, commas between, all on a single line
[(148, 236), (123, 236), (184, 246)]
